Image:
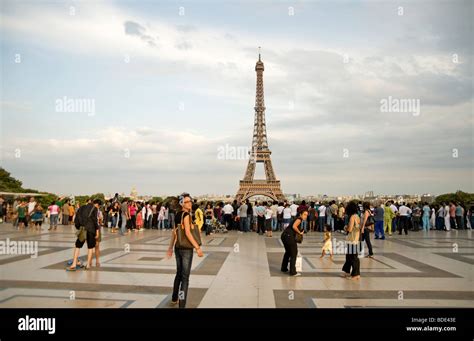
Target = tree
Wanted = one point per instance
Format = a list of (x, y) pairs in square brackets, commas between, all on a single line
[(466, 199), (82, 199), (9, 183)]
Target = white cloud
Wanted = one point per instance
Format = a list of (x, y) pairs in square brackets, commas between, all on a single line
[(336, 105)]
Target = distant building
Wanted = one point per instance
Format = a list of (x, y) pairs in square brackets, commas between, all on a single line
[(134, 193)]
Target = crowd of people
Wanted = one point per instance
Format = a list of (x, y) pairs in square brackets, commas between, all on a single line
[(356, 220), (265, 217), (126, 215)]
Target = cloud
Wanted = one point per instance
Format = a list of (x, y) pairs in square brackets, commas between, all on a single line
[(321, 98), (135, 29)]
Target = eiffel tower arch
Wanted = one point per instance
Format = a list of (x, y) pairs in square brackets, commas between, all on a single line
[(260, 153)]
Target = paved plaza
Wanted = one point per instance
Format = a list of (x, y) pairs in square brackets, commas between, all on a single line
[(239, 270)]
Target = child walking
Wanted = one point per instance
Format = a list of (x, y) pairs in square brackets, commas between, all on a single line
[(327, 246)]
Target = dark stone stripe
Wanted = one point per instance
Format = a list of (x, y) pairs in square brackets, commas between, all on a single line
[(459, 257), (195, 295), (303, 298)]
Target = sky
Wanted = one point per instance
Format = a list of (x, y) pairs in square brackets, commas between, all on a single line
[(173, 82)]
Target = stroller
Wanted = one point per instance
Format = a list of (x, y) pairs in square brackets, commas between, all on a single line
[(216, 226)]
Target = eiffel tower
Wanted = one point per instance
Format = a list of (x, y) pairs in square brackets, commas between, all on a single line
[(270, 187)]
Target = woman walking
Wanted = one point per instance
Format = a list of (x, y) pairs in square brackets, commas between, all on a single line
[(352, 240), (288, 237), (367, 227), (183, 253)]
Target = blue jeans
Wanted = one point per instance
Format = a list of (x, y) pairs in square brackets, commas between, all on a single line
[(321, 223), (331, 222), (184, 260), (286, 221), (53, 219), (161, 224), (379, 233), (123, 228), (113, 223), (243, 224), (304, 225), (274, 223)]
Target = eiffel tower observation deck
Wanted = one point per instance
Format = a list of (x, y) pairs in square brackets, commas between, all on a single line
[(260, 152)]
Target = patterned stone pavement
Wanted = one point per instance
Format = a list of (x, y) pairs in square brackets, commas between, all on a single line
[(423, 269)]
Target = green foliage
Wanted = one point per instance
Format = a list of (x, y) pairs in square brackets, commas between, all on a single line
[(9, 183), (46, 200), (82, 199), (466, 199)]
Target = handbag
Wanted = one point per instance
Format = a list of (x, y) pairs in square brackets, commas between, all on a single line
[(354, 236), (182, 242), (82, 232), (298, 236), (370, 222)]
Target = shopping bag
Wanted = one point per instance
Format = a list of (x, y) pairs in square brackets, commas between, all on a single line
[(299, 263)]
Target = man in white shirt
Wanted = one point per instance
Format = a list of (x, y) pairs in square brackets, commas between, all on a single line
[(242, 213), (403, 212), (286, 216), (228, 210), (321, 217), (294, 210)]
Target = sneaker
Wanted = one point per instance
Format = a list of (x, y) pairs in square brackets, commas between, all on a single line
[(296, 274), (284, 270)]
